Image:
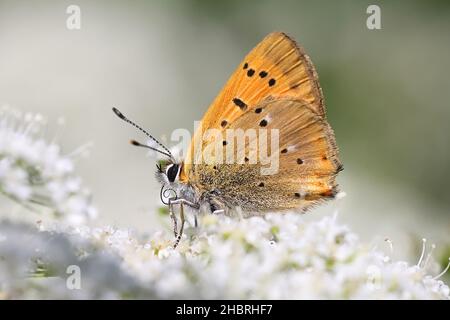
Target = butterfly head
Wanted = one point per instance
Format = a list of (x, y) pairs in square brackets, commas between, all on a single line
[(168, 171)]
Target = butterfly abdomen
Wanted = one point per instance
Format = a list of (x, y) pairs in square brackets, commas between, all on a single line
[(243, 186)]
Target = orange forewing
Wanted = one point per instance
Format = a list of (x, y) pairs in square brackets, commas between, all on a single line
[(276, 67)]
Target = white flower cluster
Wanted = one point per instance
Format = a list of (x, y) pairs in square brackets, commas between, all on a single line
[(33, 171), (277, 257)]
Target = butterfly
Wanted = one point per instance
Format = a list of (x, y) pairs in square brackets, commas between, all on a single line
[(275, 87)]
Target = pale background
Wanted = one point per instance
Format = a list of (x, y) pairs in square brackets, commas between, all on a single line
[(162, 62)]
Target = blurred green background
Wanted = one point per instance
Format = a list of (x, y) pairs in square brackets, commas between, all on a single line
[(162, 62)]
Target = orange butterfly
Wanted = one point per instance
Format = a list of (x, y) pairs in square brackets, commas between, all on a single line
[(274, 88)]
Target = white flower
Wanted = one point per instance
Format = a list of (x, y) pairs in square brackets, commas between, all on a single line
[(34, 171), (14, 180)]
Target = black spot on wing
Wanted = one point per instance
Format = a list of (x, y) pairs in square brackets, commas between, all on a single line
[(241, 104)]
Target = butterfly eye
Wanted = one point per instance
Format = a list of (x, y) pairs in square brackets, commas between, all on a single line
[(172, 172)]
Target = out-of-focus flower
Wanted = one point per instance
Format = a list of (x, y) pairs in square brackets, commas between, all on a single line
[(34, 173), (277, 257)]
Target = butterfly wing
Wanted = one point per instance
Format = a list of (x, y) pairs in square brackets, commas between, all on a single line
[(277, 66), (307, 160), (276, 69)]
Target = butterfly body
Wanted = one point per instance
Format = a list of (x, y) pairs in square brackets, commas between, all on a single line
[(272, 97)]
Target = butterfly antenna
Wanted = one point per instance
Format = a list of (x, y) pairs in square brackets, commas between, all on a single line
[(133, 142), (138, 144)]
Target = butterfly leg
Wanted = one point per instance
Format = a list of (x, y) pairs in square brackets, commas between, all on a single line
[(186, 202), (178, 238), (174, 219), (181, 202)]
